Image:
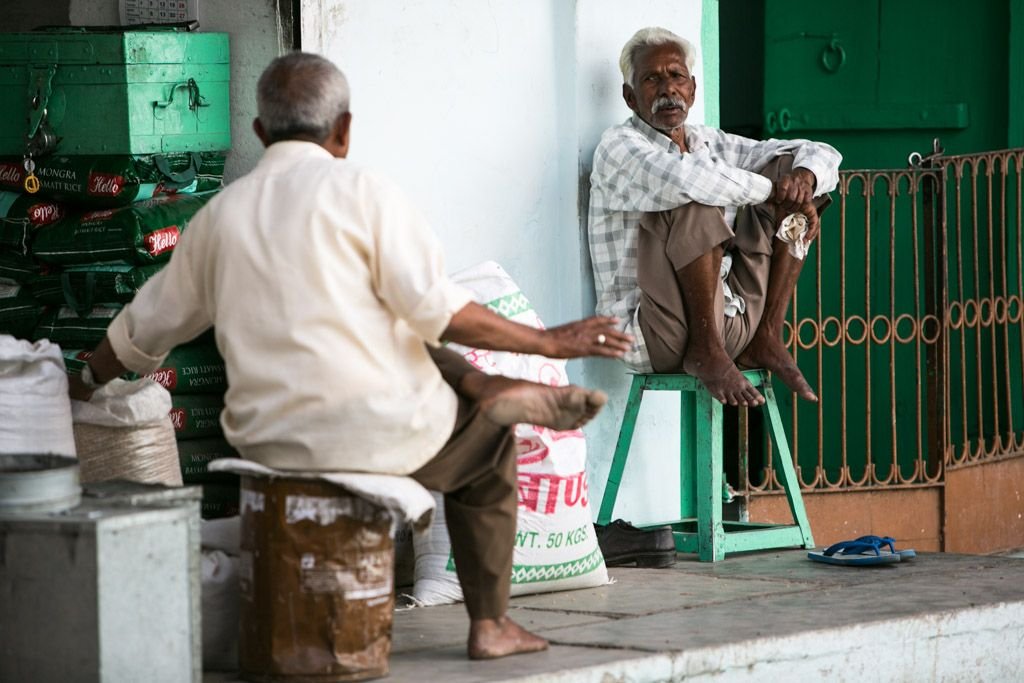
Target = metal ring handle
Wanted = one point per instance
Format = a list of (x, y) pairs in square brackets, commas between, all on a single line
[(833, 56)]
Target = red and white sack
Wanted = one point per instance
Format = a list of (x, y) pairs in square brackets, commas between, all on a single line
[(555, 547)]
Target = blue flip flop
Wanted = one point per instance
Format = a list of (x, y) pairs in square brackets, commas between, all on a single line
[(856, 553), (905, 555)]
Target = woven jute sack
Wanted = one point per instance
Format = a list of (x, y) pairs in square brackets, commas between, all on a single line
[(125, 432)]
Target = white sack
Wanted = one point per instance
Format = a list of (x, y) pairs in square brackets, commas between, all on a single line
[(222, 534), (403, 497), (556, 548), (120, 403), (219, 608), (34, 399)]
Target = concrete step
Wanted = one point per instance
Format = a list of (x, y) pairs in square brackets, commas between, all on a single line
[(758, 617), (768, 616)]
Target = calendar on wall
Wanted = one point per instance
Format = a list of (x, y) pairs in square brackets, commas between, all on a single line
[(158, 11)]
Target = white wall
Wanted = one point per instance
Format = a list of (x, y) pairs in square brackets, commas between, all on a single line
[(470, 107), (488, 114), (650, 491)]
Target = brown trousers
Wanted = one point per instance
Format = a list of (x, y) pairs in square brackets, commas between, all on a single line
[(670, 240), (476, 472)]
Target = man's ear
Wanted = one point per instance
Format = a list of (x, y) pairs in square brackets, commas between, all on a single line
[(341, 135), (629, 96), (693, 93), (257, 127)]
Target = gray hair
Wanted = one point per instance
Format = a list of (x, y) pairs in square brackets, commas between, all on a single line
[(650, 37), (301, 95)]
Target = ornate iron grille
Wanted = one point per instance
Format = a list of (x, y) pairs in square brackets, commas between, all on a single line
[(908, 320)]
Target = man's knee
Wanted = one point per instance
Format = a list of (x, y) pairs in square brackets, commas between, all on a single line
[(692, 211), (778, 167), (689, 217), (683, 235)]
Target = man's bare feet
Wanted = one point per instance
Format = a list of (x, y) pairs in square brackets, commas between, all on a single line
[(508, 401), (493, 638), (766, 351), (721, 376)]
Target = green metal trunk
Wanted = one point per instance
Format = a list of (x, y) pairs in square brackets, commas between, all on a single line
[(113, 91)]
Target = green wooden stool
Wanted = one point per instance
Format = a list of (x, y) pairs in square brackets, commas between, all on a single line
[(701, 529)]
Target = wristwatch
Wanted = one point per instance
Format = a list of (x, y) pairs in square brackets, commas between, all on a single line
[(88, 379)]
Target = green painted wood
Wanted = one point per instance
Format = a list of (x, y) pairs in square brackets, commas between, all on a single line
[(671, 383), (709, 51), (783, 463), (618, 466), (923, 116), (709, 477), (686, 542), (892, 58), (731, 526), (701, 529), (688, 450), (882, 54), (1015, 129), (778, 537), (116, 91)]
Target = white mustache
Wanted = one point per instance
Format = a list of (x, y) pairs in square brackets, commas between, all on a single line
[(663, 102)]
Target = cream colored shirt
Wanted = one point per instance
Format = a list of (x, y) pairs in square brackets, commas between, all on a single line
[(323, 283)]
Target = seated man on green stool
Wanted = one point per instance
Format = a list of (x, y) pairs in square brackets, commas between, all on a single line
[(698, 236)]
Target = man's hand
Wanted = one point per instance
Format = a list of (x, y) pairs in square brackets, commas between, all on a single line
[(77, 389), (808, 210), (594, 336), (813, 221), (793, 190), (475, 325), (105, 367)]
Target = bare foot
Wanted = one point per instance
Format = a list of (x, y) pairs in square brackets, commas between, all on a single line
[(721, 377), (766, 351), (493, 638), (511, 401)]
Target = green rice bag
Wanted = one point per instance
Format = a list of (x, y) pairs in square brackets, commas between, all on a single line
[(82, 287), (20, 215), (219, 500), (194, 368), (19, 311), (65, 327), (196, 416), (195, 456), (15, 267), (116, 180), (139, 234)]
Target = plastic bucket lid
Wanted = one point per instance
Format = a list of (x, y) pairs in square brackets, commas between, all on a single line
[(31, 483)]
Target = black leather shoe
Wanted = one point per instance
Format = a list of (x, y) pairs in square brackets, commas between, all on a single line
[(622, 543)]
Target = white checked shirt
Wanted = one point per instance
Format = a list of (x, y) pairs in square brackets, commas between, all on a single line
[(638, 169)]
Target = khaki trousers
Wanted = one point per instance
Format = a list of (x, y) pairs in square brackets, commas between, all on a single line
[(476, 472), (670, 240)]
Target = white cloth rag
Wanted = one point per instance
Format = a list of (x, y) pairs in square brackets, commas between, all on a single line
[(734, 304), (793, 230), (404, 497)]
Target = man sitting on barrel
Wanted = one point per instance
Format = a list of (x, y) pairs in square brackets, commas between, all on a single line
[(328, 295)]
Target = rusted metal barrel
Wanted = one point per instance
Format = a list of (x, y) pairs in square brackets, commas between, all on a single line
[(316, 578)]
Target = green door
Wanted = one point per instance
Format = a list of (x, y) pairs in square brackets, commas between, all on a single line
[(877, 79)]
